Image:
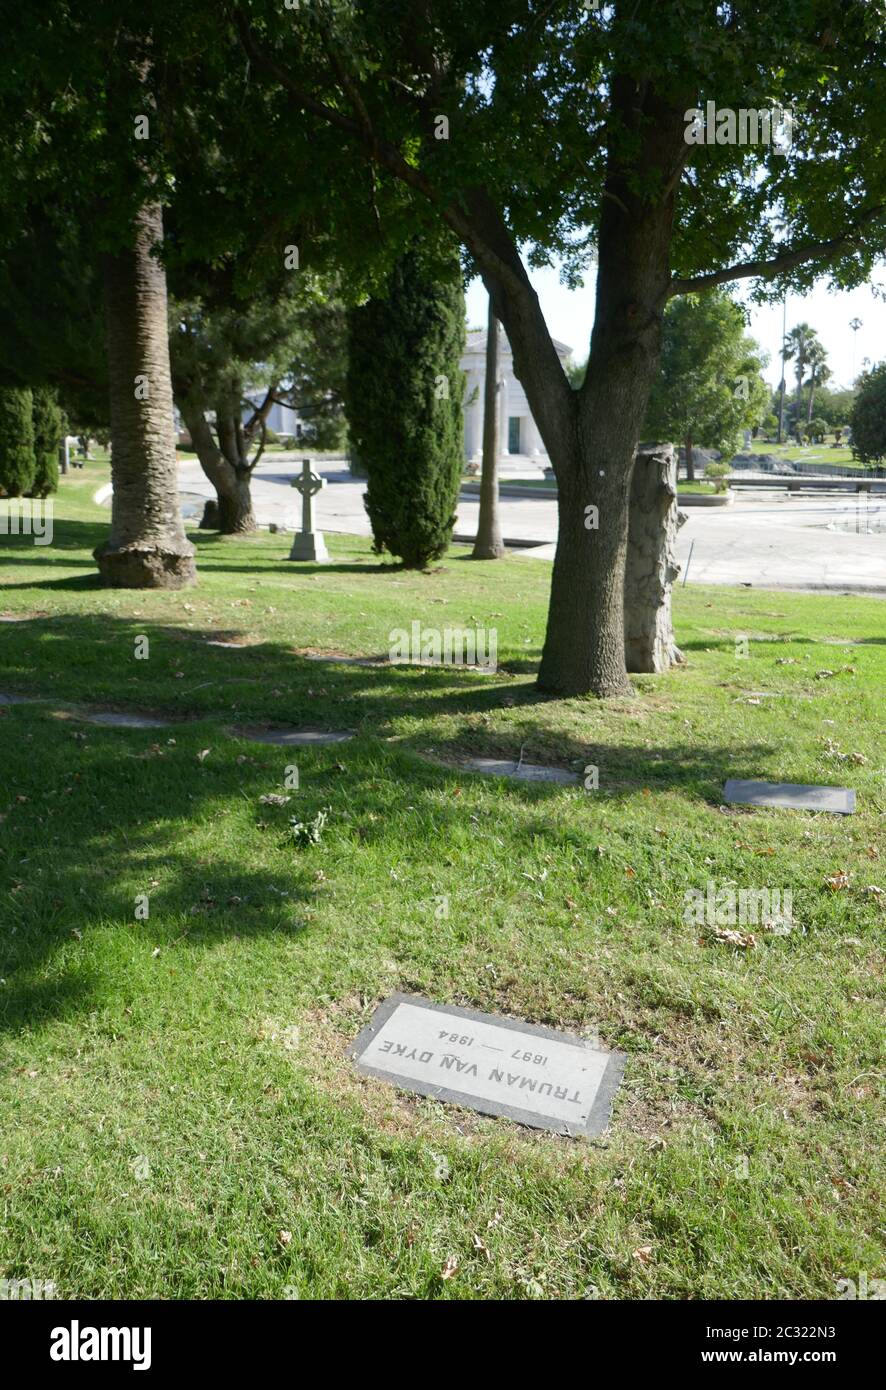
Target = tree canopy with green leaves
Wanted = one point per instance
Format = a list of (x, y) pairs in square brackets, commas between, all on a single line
[(709, 386), (869, 416)]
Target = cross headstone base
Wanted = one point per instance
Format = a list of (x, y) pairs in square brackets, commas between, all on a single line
[(309, 545)]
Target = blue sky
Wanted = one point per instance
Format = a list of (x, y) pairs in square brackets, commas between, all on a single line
[(570, 314)]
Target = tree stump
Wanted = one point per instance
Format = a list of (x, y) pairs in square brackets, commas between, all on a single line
[(650, 567), (210, 520)]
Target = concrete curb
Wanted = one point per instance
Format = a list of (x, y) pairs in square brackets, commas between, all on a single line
[(705, 499)]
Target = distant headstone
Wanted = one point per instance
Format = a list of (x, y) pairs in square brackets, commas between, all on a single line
[(308, 544), (499, 1066), (793, 795)]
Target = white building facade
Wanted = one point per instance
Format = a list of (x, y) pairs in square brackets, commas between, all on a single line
[(518, 436)]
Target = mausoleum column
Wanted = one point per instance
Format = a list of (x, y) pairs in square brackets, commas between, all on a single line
[(503, 416)]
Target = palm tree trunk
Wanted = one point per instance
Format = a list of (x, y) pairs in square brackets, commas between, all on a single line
[(147, 547), (811, 396), (488, 545)]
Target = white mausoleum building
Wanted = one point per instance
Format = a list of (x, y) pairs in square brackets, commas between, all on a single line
[(518, 436)]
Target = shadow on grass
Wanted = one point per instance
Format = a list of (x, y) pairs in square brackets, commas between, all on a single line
[(84, 658), (125, 813), (117, 809)]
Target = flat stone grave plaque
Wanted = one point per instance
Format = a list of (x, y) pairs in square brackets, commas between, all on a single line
[(294, 737), (123, 721), (523, 772), (795, 796), (499, 1066)]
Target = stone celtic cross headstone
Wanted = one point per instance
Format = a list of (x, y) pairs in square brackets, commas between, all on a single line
[(308, 544), (499, 1066)]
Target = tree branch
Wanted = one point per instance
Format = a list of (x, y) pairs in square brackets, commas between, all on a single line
[(766, 270), (475, 220)]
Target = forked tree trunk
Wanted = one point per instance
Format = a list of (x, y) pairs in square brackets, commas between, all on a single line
[(488, 545), (591, 435), (147, 547), (651, 567), (232, 513)]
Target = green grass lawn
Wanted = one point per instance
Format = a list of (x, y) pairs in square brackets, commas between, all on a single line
[(683, 485), (178, 1115), (811, 453)]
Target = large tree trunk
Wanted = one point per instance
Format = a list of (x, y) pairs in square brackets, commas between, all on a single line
[(233, 513), (584, 651), (651, 567), (690, 461), (584, 644), (488, 545), (147, 547)]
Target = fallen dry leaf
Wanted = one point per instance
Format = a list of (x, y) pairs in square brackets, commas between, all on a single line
[(450, 1268), (730, 937), (837, 880)]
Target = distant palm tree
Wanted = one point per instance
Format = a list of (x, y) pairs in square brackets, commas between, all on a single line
[(819, 372), (798, 344), (855, 325)]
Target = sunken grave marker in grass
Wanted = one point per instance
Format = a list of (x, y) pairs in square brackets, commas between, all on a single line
[(499, 1066), (792, 795)]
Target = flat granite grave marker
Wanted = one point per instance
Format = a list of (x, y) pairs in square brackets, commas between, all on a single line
[(794, 795), (499, 1066), (113, 720), (294, 737), (523, 772)]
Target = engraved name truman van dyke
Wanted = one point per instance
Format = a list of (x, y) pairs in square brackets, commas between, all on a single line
[(495, 1065)]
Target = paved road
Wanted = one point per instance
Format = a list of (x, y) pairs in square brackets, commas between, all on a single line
[(766, 540)]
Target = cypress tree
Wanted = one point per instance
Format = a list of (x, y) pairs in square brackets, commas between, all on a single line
[(17, 462), (404, 406), (48, 425)]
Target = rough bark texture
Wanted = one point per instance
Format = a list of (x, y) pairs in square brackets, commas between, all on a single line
[(147, 547), (650, 568), (488, 545), (232, 513)]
